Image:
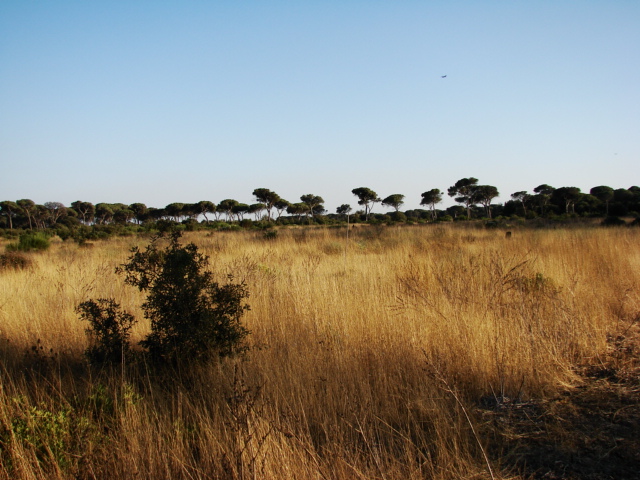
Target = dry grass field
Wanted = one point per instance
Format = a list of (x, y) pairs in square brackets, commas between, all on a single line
[(411, 352)]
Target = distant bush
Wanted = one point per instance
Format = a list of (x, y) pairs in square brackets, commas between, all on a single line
[(30, 241), (229, 227), (270, 234), (398, 217), (613, 222)]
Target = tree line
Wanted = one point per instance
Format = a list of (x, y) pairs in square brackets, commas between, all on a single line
[(473, 200)]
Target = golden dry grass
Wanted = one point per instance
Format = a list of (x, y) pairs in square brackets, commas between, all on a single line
[(359, 351)]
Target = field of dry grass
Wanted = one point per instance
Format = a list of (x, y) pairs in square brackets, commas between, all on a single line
[(372, 356)]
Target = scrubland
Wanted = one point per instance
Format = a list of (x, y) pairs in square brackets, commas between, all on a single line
[(382, 354)]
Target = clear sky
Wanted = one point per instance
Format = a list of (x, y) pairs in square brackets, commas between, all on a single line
[(180, 101)]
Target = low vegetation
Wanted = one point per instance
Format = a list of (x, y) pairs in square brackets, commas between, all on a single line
[(393, 352)]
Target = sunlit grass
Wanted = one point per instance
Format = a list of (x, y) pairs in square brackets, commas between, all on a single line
[(354, 345)]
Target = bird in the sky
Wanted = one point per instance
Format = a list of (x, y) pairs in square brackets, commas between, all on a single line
[(443, 76)]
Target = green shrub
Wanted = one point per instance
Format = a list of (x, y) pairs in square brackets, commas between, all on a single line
[(270, 234), (191, 315), (30, 241), (109, 330), (398, 217)]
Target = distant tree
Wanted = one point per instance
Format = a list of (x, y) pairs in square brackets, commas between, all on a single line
[(175, 211), (28, 209), (57, 210), (281, 206), (484, 194), (256, 209), (455, 211), (155, 214), (122, 214), (431, 198), (544, 193), (367, 198), (204, 207), (86, 210), (226, 206), (9, 209), (604, 194), (622, 195), (314, 202), (240, 210), (420, 214), (104, 213), (266, 196), (344, 209), (395, 200), (464, 193), (524, 198), (191, 211), (298, 209), (567, 196), (41, 216), (588, 204), (140, 212)]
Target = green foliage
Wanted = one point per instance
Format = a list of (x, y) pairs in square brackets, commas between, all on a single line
[(191, 315), (270, 234), (395, 200), (398, 217), (463, 191), (367, 198), (58, 435), (109, 329), (344, 209), (314, 203), (266, 197), (30, 241), (431, 198)]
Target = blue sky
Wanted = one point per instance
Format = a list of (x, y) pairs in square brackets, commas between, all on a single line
[(181, 101)]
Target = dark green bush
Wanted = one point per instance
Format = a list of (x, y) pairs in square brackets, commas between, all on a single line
[(270, 234), (613, 222), (191, 315), (398, 217), (109, 330)]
